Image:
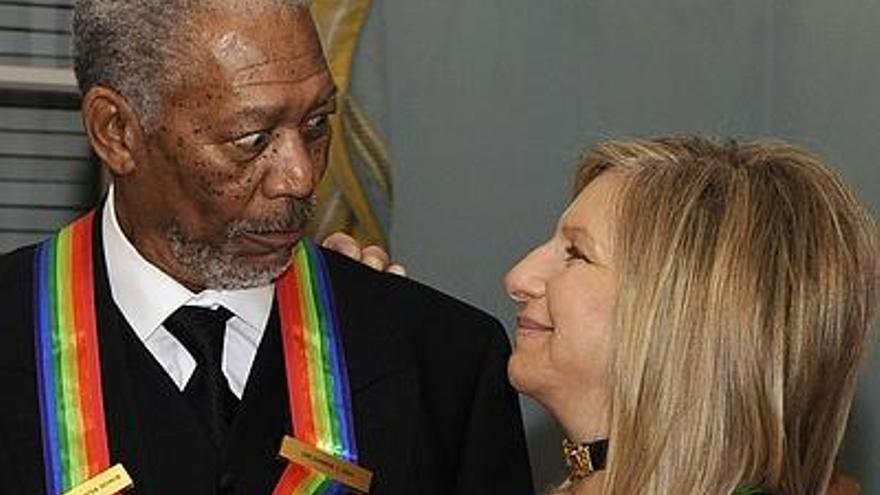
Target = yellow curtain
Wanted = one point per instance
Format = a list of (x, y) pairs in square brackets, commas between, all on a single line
[(358, 175)]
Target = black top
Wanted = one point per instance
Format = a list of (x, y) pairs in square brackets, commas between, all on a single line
[(433, 411)]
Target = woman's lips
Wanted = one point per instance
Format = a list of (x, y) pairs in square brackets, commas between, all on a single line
[(524, 323)]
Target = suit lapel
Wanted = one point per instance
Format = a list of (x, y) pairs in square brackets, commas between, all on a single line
[(251, 462), (385, 396), (383, 380), (119, 405), (151, 430)]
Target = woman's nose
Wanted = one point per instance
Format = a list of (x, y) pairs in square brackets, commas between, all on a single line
[(527, 279)]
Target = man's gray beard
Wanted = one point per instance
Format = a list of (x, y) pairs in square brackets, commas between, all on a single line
[(217, 267)]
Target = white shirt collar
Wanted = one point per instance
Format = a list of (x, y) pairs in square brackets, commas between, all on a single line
[(147, 296)]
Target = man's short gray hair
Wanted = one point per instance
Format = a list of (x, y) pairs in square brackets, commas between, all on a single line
[(136, 47)]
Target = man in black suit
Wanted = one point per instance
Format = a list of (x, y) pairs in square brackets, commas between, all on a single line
[(211, 117)]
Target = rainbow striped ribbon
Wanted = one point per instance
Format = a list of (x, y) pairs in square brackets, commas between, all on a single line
[(68, 362), (317, 378), (75, 446)]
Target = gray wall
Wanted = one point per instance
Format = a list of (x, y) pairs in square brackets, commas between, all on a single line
[(489, 102), (46, 177)]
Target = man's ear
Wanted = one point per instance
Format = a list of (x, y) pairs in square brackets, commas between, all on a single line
[(113, 129)]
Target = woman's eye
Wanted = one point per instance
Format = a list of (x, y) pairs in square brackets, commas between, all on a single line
[(317, 127), (572, 253)]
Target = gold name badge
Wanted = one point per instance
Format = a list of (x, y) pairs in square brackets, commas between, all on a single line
[(348, 474), (110, 482)]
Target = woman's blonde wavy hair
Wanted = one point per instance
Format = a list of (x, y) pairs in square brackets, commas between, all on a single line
[(748, 282)]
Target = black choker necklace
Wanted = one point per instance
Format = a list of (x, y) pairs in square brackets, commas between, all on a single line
[(584, 459)]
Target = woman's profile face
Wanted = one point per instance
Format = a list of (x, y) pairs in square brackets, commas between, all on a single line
[(566, 291)]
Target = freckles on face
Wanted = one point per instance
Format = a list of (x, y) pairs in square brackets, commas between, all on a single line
[(214, 182), (223, 180), (210, 176), (265, 80), (193, 185)]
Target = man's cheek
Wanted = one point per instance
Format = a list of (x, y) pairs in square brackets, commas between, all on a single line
[(222, 188)]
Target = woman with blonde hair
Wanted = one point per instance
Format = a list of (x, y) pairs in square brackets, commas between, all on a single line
[(697, 321)]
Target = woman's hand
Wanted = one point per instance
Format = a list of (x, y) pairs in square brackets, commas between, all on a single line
[(373, 256)]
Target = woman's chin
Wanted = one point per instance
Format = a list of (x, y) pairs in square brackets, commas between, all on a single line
[(524, 376)]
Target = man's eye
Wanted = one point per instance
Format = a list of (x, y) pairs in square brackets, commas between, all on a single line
[(254, 142), (317, 127)]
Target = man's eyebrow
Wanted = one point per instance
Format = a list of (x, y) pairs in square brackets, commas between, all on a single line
[(261, 114), (240, 120), (252, 113), (328, 99)]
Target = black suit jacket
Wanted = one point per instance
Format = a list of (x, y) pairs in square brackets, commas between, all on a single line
[(433, 411)]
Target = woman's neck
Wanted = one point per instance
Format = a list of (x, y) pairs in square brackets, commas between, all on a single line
[(582, 419), (588, 486)]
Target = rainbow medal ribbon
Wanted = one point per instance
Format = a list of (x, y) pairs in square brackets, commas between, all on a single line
[(75, 449), (322, 450)]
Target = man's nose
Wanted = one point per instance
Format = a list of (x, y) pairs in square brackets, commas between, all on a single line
[(527, 279), (293, 171)]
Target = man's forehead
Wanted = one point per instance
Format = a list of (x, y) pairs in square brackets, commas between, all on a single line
[(254, 61), (280, 70)]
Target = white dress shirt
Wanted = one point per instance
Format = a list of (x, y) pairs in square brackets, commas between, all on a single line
[(147, 296)]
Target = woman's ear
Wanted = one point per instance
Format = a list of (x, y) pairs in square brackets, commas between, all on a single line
[(113, 128)]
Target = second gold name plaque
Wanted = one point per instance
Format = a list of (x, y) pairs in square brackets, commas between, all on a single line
[(348, 474)]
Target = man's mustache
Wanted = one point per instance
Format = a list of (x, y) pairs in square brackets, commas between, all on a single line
[(291, 219)]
